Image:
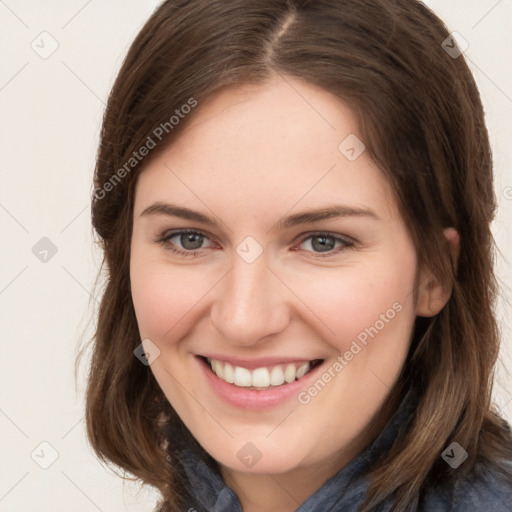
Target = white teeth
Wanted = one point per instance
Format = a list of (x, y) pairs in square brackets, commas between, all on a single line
[(229, 373), (260, 377), (218, 368), (290, 373), (301, 370), (242, 377), (276, 376)]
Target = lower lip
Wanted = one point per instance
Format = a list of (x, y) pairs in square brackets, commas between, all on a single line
[(245, 398)]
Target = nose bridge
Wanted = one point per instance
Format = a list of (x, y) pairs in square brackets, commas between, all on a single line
[(250, 305)]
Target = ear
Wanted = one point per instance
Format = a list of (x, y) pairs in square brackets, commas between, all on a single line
[(432, 295)]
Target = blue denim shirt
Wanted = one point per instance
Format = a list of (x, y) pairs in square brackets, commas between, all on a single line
[(346, 490)]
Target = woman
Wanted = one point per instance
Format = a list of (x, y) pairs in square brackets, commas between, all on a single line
[(294, 201)]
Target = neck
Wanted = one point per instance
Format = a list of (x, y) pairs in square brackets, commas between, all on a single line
[(270, 492)]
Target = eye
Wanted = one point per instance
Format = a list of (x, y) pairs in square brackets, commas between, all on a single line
[(185, 242), (325, 244), (190, 243)]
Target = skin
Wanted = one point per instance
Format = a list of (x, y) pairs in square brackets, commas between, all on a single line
[(250, 156)]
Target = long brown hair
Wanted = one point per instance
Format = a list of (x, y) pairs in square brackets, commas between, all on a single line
[(423, 123)]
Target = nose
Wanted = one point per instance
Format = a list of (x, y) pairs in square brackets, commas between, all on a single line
[(251, 304)]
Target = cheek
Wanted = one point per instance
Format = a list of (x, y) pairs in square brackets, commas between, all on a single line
[(165, 297), (360, 302)]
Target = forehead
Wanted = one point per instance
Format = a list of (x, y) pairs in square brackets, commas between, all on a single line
[(266, 148)]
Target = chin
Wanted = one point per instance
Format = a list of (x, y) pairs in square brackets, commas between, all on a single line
[(258, 454)]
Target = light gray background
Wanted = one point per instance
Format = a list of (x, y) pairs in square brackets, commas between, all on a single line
[(50, 112)]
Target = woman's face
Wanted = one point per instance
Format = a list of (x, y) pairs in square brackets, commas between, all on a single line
[(271, 281)]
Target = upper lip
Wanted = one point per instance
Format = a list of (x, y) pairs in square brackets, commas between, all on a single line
[(252, 364)]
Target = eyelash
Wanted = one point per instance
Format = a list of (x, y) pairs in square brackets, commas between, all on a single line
[(165, 238)]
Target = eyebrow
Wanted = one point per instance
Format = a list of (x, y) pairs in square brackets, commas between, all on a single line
[(305, 217)]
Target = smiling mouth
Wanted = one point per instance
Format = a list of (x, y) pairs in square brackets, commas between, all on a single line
[(260, 378)]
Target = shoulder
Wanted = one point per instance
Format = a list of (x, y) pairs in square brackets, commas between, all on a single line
[(485, 489)]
